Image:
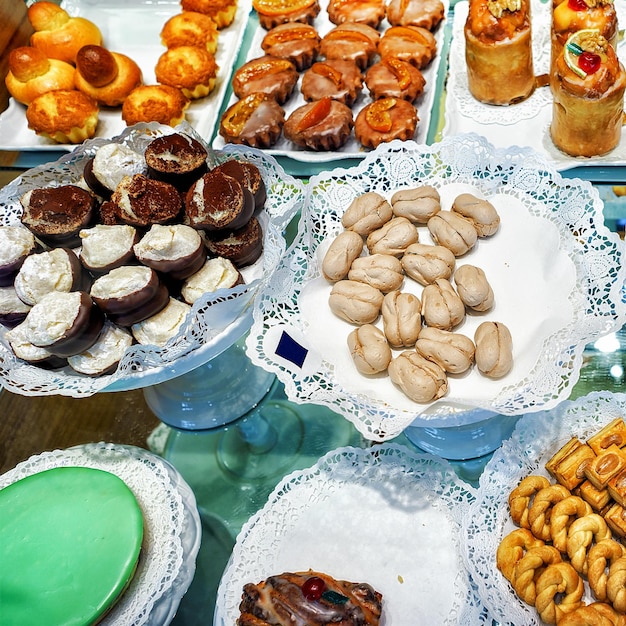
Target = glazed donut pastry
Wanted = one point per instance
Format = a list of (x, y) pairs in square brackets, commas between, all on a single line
[(216, 273), (311, 597), (601, 556), (526, 570), (384, 120), (414, 44), (63, 116), (16, 244), (512, 548), (23, 349), (334, 78), (275, 77), (324, 125), (64, 323), (159, 328), (105, 247), (394, 78), (425, 13), (108, 77), (191, 69), (498, 51), (351, 41), (588, 87), (249, 175), (58, 35), (581, 534), (563, 514), (32, 73), (520, 498), (57, 214), (559, 591), (296, 42), (369, 12), (155, 103), (222, 12), (190, 28), (13, 310), (242, 246), (256, 121), (274, 12)]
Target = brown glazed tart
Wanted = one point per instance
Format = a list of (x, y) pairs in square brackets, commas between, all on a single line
[(335, 78), (394, 78), (370, 12), (351, 41), (384, 120), (296, 42), (425, 13), (275, 77), (274, 12), (414, 44)]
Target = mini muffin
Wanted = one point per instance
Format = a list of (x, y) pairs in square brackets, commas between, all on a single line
[(104, 355), (159, 328), (64, 323), (351, 41), (393, 78), (176, 159), (57, 269), (414, 44), (274, 12), (384, 120), (249, 175), (337, 79), (177, 250), (63, 116), (13, 310), (57, 214), (141, 201), (222, 12), (242, 246), (191, 69), (296, 42), (324, 125), (274, 77), (106, 247), (107, 77), (155, 103), (16, 243), (256, 121), (190, 28), (370, 12), (216, 273), (111, 162), (23, 349), (217, 201), (130, 294), (425, 13)]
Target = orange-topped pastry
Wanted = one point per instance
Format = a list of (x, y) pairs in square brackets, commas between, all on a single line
[(385, 119), (425, 13), (588, 87), (222, 12), (370, 12), (275, 77), (297, 42), (335, 78), (274, 12), (190, 28), (392, 77), (351, 40), (498, 51), (414, 44)]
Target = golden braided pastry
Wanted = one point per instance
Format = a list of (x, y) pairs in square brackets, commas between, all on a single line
[(512, 548), (559, 590), (599, 559), (616, 585), (582, 533), (563, 514), (520, 498), (540, 510), (527, 569), (594, 614)]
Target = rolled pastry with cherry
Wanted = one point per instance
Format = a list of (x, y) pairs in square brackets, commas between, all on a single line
[(498, 51)]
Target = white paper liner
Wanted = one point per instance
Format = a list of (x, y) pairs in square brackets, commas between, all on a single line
[(557, 274), (172, 529), (384, 515), (212, 317), (536, 439)]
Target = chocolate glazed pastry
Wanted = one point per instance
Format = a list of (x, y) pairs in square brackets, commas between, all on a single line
[(249, 176), (242, 246)]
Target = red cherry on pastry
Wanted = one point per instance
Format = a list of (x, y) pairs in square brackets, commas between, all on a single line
[(313, 588), (589, 62), (577, 5)]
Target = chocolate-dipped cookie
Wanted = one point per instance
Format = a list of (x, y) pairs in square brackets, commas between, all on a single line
[(249, 175), (242, 246), (12, 310), (23, 349), (16, 243), (111, 162), (106, 247), (216, 273), (161, 327)]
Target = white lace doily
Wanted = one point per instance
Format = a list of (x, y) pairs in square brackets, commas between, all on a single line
[(172, 531), (382, 515), (556, 270), (536, 438), (211, 316)]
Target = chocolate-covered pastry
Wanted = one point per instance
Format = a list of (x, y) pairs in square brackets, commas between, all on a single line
[(26, 351), (56, 214), (249, 175), (159, 328), (242, 246), (106, 247), (111, 162), (12, 310), (16, 243), (216, 273)]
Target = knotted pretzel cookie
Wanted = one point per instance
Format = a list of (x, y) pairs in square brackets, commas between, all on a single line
[(599, 559), (563, 514), (594, 614), (616, 585), (540, 510), (559, 590), (582, 533), (528, 568), (512, 548), (520, 498)]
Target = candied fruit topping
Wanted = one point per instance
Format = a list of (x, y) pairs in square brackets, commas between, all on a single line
[(235, 120), (292, 34), (345, 34), (378, 116), (313, 588), (263, 68), (327, 71), (318, 112), (281, 7), (407, 32), (399, 70), (584, 51)]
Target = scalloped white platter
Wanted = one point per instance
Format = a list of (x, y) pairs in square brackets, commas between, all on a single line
[(526, 123), (384, 515), (134, 29)]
